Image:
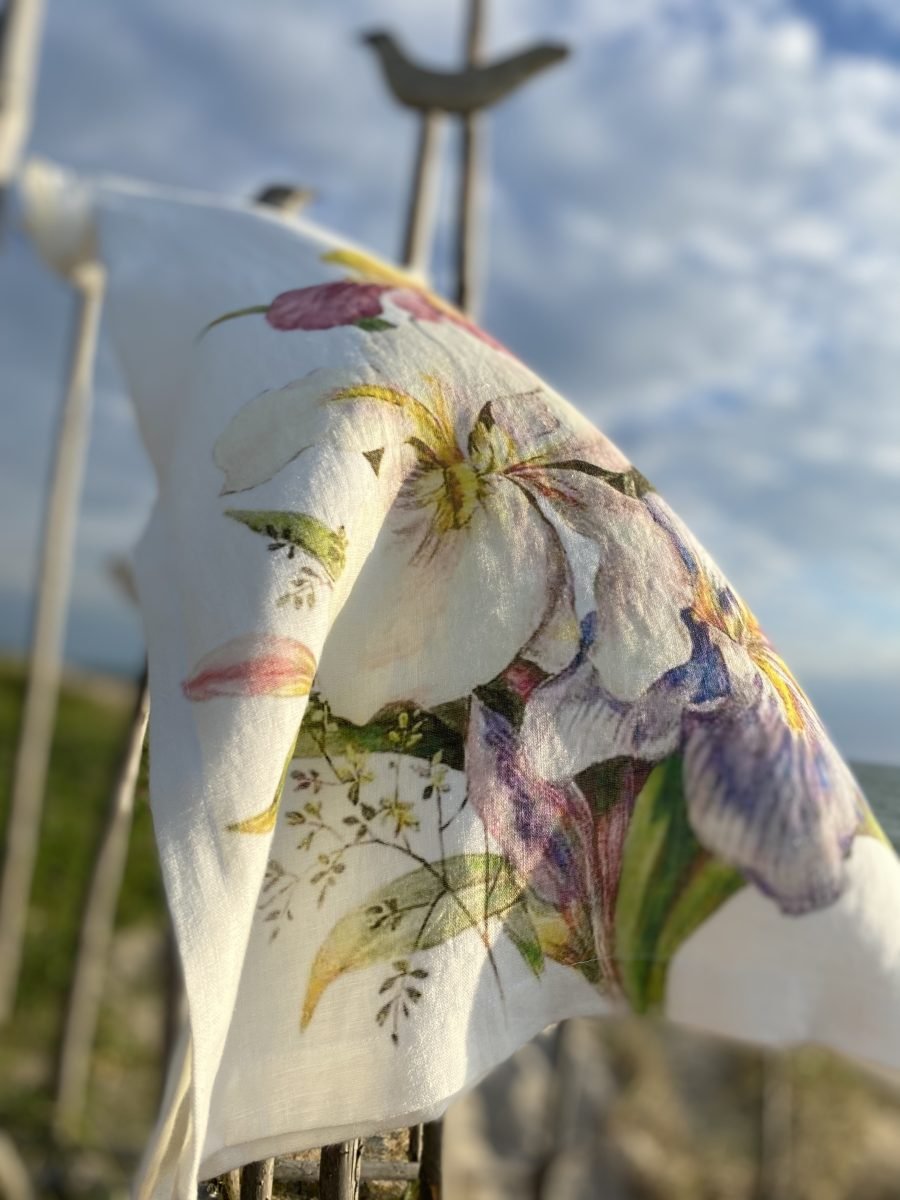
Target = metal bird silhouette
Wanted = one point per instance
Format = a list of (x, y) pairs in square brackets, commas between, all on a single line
[(460, 92)]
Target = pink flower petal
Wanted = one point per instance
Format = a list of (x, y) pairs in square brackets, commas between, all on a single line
[(422, 307), (253, 665), (417, 304), (325, 305)]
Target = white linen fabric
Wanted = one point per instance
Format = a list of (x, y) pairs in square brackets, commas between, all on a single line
[(456, 730)]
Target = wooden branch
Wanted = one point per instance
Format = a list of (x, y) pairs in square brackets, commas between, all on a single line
[(257, 1179), (414, 1148), (417, 236), (290, 1171), (45, 665), (510, 1176), (430, 1171), (97, 924), (339, 1171), (15, 1182), (470, 90), (20, 37), (222, 1187)]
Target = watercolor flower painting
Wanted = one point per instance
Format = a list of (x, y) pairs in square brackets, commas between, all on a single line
[(535, 648), (372, 299)]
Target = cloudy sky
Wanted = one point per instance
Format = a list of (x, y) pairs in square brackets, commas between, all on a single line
[(693, 230)]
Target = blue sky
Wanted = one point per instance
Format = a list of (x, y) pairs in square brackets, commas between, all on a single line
[(692, 230)]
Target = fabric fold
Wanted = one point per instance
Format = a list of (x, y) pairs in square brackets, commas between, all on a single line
[(456, 730)]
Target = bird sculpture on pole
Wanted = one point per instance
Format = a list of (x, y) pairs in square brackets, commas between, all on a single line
[(463, 95), (290, 199), (469, 90)]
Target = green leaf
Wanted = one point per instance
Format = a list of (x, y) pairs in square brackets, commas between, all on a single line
[(484, 423), (709, 886), (500, 697), (630, 483), (417, 911), (327, 546), (454, 717), (519, 928), (669, 885), (869, 827), (436, 735), (373, 324)]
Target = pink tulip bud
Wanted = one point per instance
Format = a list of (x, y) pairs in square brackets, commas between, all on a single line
[(326, 305)]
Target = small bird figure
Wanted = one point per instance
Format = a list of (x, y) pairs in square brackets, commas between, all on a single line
[(459, 92), (287, 198)]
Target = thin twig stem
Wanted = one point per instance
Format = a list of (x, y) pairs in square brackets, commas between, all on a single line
[(98, 920)]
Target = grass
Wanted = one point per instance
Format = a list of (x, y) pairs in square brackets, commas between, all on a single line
[(90, 733)]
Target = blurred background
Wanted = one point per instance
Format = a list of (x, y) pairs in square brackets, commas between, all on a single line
[(691, 229)]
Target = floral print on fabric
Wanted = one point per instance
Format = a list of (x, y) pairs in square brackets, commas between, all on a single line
[(765, 789), (483, 472), (253, 665), (540, 708), (371, 301)]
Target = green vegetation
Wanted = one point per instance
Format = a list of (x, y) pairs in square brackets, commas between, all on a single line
[(90, 734)]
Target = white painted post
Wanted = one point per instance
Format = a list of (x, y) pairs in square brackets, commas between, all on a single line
[(46, 660), (467, 205), (20, 39)]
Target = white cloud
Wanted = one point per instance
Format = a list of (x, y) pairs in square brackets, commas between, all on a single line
[(735, 234), (720, 287)]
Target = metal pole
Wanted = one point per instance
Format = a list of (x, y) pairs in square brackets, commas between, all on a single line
[(98, 921), (45, 666), (467, 215)]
